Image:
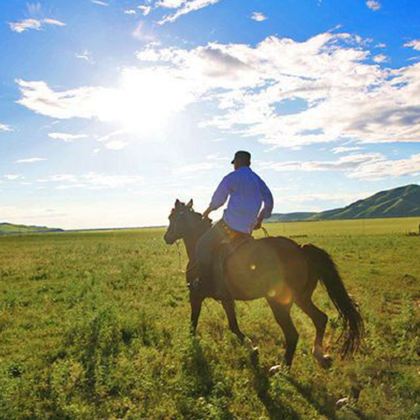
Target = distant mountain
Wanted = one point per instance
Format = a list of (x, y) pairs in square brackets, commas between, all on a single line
[(398, 202), (10, 229)]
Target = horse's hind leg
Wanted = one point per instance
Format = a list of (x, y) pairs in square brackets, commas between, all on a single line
[(320, 320), (282, 315), (229, 307)]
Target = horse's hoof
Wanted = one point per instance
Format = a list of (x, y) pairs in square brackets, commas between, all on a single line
[(275, 369), (194, 333), (325, 361), (342, 402), (248, 344)]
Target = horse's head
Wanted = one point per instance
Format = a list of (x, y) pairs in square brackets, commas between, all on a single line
[(182, 220)]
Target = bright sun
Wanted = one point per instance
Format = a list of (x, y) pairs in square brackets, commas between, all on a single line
[(144, 100)]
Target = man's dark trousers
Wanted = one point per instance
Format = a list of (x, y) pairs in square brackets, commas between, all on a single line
[(205, 252)]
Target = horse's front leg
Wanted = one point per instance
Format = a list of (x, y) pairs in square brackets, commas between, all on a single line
[(229, 307), (196, 302)]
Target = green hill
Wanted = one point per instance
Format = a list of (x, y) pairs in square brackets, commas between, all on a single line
[(11, 229), (397, 202)]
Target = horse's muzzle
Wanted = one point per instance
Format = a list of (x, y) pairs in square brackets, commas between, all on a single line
[(168, 239)]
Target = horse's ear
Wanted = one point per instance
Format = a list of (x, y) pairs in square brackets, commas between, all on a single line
[(177, 203), (190, 204)]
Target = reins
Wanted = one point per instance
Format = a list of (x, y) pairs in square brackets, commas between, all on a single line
[(267, 235), (180, 260), (179, 257)]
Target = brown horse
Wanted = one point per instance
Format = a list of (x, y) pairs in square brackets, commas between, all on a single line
[(281, 271)]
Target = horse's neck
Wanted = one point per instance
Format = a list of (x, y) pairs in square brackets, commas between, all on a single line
[(190, 240)]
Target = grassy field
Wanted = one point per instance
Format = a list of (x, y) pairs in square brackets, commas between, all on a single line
[(95, 325)]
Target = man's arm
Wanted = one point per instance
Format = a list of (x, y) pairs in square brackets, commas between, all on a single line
[(220, 196), (267, 199)]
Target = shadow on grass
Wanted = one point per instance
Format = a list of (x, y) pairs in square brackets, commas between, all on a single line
[(201, 388), (324, 407), (321, 400), (274, 408), (197, 370)]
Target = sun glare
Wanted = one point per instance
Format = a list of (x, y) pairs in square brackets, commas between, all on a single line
[(145, 100)]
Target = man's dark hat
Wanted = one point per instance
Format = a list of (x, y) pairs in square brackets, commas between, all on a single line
[(242, 156)]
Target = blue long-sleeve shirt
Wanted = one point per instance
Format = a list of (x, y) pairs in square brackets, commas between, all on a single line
[(246, 192)]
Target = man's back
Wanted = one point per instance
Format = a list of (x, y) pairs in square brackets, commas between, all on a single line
[(247, 192)]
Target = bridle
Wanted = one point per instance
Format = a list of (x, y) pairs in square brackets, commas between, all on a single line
[(188, 226)]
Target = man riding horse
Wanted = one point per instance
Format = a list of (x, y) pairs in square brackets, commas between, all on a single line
[(247, 192), (275, 268)]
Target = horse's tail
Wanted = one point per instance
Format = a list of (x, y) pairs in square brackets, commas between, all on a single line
[(322, 267)]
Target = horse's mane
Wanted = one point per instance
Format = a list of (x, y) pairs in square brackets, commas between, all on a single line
[(204, 224), (207, 223)]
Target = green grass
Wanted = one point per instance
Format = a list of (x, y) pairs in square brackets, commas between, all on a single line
[(346, 227), (95, 325)]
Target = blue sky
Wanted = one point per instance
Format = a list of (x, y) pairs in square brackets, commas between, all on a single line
[(110, 110)]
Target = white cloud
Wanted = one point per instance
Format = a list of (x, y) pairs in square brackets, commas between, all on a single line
[(108, 136), (13, 177), (143, 101), (54, 22), (111, 142), (130, 12), (380, 58), (184, 7), (142, 34), (66, 137), (85, 55), (25, 24), (195, 167), (92, 180), (216, 157), (34, 8), (68, 104), (30, 160), (35, 24), (344, 149), (376, 105), (77, 214), (415, 44), (295, 201), (328, 196), (277, 91), (145, 9), (346, 163), (32, 215), (171, 4), (116, 144), (99, 2), (384, 168), (5, 127), (369, 166), (258, 16), (373, 5)]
